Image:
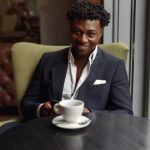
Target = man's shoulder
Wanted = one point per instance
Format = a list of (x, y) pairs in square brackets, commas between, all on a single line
[(55, 55)]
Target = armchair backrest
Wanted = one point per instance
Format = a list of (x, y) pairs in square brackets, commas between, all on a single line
[(25, 57)]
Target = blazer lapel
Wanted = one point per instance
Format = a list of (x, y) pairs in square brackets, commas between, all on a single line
[(58, 76), (93, 73), (95, 68)]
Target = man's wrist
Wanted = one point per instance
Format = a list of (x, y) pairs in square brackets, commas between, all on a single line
[(38, 110)]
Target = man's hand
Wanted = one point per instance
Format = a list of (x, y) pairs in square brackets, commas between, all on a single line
[(86, 110), (46, 109)]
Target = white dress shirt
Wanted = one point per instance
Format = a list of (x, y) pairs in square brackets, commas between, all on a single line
[(69, 90)]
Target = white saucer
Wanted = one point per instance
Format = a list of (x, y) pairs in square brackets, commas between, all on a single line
[(61, 123)]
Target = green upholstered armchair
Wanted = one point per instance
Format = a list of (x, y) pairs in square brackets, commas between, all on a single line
[(25, 57)]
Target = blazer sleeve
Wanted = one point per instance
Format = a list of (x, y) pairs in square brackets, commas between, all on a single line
[(120, 98), (32, 98)]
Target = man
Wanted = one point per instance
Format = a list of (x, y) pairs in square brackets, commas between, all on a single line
[(82, 71)]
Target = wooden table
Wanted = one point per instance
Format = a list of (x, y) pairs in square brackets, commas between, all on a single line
[(107, 131)]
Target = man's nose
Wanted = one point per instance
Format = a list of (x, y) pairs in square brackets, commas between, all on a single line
[(83, 38)]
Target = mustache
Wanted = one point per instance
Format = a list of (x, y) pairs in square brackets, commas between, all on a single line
[(80, 44)]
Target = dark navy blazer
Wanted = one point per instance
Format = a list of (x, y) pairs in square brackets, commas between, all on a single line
[(48, 81)]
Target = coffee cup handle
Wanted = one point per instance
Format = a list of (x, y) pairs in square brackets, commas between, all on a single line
[(57, 108)]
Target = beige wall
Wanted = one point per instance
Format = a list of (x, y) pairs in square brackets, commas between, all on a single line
[(53, 23)]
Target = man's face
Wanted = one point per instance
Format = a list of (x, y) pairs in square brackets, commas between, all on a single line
[(85, 35)]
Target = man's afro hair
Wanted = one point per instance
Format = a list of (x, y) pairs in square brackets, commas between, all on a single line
[(88, 10)]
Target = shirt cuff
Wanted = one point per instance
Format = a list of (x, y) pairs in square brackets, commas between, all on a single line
[(38, 110)]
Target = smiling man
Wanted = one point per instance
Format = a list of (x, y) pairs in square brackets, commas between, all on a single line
[(82, 71)]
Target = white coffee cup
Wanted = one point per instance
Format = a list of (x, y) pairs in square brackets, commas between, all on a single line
[(69, 109)]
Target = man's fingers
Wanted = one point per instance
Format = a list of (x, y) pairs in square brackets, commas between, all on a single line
[(46, 109), (47, 105), (86, 110)]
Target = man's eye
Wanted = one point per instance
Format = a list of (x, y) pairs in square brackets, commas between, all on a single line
[(76, 32), (91, 34)]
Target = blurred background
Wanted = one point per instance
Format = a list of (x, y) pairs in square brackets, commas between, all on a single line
[(44, 22)]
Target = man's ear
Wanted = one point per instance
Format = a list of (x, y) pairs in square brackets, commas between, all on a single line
[(102, 31), (100, 36)]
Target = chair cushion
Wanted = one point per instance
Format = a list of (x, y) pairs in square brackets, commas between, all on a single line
[(119, 50)]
